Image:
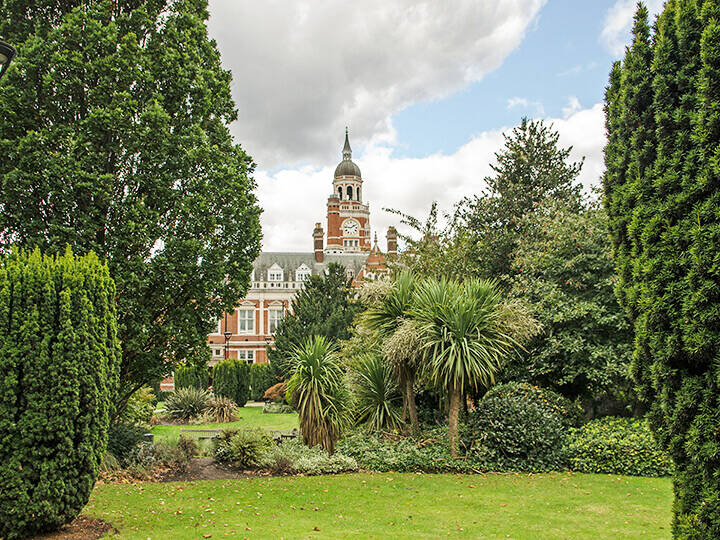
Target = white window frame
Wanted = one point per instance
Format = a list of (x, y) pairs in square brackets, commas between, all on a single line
[(275, 273), (302, 273), (273, 319), (246, 320), (248, 356)]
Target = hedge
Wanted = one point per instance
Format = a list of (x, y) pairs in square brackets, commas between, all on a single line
[(261, 378), (192, 376), (59, 362), (231, 379)]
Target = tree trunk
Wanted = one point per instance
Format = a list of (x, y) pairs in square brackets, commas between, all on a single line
[(412, 408), (453, 413)]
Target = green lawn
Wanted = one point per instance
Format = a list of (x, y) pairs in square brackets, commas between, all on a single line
[(546, 506), (250, 417)]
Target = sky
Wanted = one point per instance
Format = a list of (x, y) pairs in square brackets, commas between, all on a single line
[(426, 89)]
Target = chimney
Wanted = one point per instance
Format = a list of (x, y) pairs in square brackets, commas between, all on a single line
[(391, 241), (318, 236)]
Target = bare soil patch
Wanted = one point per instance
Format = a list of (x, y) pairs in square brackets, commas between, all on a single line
[(82, 528)]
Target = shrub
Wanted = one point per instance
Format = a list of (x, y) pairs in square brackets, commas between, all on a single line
[(123, 439), (231, 379), (192, 376), (221, 409), (241, 448), (186, 403), (276, 392), (277, 408), (293, 457), (516, 431), (570, 412), (177, 456), (261, 378), (617, 446), (377, 397), (59, 358), (140, 407)]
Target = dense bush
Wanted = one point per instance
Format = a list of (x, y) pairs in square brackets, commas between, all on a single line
[(293, 457), (273, 407), (516, 431), (617, 446), (177, 456), (59, 358), (221, 409), (192, 376), (231, 379), (241, 448), (261, 378), (276, 392), (186, 403), (123, 439), (570, 412), (140, 407)]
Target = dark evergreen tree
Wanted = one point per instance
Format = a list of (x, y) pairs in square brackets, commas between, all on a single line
[(59, 360), (231, 379), (324, 307), (664, 204), (530, 169), (114, 135)]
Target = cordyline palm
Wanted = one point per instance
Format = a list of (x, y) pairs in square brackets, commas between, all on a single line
[(467, 330), (377, 395), (390, 317), (317, 387)]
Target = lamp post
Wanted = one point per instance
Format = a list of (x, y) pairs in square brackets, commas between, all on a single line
[(7, 53), (227, 335)]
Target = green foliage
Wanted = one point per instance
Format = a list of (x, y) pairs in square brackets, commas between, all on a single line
[(124, 107), (140, 407), (243, 448), (261, 378), (662, 198), (512, 429), (273, 407), (570, 412), (231, 379), (192, 376), (565, 273), (293, 457), (186, 403), (221, 409), (123, 439), (531, 168), (324, 307), (317, 388), (59, 359), (617, 446), (377, 397), (175, 456), (467, 330)]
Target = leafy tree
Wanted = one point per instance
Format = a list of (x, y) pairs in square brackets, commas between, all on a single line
[(114, 135), (59, 359), (661, 191), (324, 307), (565, 273), (530, 169), (317, 387), (467, 330), (390, 318)]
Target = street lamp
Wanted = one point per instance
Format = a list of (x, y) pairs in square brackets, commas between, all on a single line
[(7, 53), (227, 335)]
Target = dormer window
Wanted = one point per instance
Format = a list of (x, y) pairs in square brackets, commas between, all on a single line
[(275, 273), (302, 273)]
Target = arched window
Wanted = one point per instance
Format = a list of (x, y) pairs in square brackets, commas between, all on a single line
[(349, 193), (340, 192)]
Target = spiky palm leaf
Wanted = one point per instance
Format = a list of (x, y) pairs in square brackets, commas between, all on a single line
[(377, 394), (317, 387)]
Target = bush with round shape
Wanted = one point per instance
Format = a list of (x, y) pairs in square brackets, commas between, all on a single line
[(59, 358), (241, 448), (276, 392), (617, 446), (293, 457), (516, 432), (221, 409), (231, 379), (192, 376), (186, 403), (273, 407)]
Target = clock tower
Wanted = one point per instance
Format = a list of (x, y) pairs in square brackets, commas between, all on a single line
[(348, 218)]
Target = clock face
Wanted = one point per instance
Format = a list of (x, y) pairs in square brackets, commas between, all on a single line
[(350, 228)]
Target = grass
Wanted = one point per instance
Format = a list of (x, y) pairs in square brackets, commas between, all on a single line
[(250, 417), (544, 506)]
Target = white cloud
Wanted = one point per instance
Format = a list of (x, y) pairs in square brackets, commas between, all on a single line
[(303, 70), (294, 200), (525, 103), (572, 107), (618, 23)]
